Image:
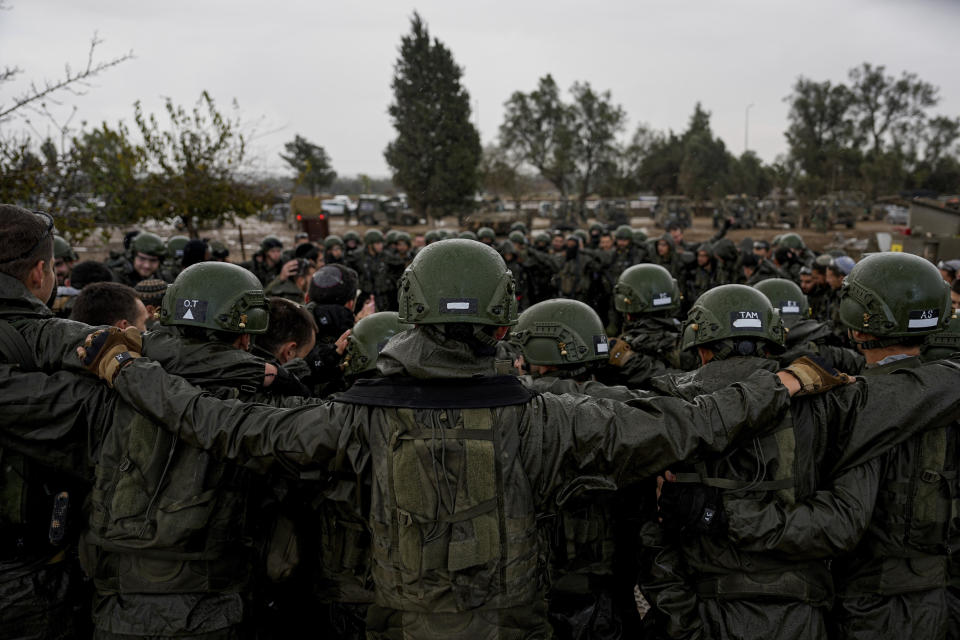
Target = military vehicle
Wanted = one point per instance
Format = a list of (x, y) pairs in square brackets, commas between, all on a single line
[(613, 212), (310, 217), (380, 210), (742, 209), (671, 209), (842, 207)]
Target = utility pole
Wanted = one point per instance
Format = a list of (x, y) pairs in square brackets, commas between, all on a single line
[(746, 128)]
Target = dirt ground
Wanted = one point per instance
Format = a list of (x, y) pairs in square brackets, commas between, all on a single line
[(853, 241)]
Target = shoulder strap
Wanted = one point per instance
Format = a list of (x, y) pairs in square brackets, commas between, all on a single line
[(13, 347), (465, 393)]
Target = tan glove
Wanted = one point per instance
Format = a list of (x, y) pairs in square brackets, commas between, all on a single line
[(816, 376), (620, 352), (106, 351)]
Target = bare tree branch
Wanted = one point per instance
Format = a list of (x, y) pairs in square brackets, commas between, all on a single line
[(73, 82)]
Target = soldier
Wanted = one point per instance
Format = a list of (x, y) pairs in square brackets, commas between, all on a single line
[(806, 336), (468, 235), (63, 259), (333, 299), (487, 236), (395, 260), (351, 242), (110, 304), (704, 275), (367, 340), (146, 252), (292, 336), (169, 536), (459, 460), (757, 268), (46, 423), (370, 268), (901, 580), (173, 262), (942, 344), (563, 341), (512, 255), (82, 274), (151, 294), (626, 254), (268, 261), (705, 584), (292, 281), (333, 249), (648, 298), (670, 258), (573, 277)]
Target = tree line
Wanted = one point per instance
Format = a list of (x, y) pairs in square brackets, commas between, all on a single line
[(876, 133)]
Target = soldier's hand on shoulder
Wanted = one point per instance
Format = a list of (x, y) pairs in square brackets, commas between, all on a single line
[(620, 352), (106, 351), (814, 375)]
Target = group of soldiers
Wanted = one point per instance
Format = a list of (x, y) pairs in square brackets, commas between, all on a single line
[(583, 435)]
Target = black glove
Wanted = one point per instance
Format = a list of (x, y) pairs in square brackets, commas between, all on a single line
[(691, 507)]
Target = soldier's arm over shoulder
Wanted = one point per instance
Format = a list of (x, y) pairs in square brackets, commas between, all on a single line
[(631, 441), (879, 412), (823, 525), (255, 435)]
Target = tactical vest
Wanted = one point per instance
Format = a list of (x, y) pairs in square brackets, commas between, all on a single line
[(448, 540), (915, 529), (771, 467), (164, 517)]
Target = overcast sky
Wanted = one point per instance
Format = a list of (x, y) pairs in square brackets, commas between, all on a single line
[(323, 69)]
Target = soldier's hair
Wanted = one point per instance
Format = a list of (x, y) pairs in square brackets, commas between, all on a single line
[(289, 322), (27, 239), (87, 272), (955, 287), (105, 303)]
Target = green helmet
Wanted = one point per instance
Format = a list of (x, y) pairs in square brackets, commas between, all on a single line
[(639, 235), (332, 240), (506, 247), (391, 237), (623, 232), (519, 226), (218, 250), (367, 339), (351, 235), (62, 250), (458, 281), (731, 311), (596, 226), (486, 233), (583, 235), (541, 237), (403, 236), (560, 331), (149, 244), (216, 295), (517, 237), (894, 295), (646, 288), (270, 242), (468, 235), (175, 245), (942, 344), (444, 234), (788, 298), (372, 236), (792, 241), (432, 236)]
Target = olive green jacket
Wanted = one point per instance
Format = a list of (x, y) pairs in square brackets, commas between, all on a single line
[(548, 442)]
